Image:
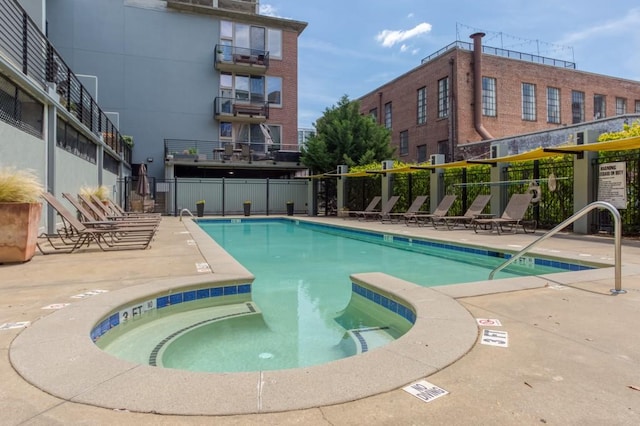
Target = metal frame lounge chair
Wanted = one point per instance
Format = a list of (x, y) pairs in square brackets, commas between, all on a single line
[(420, 218), (93, 216), (386, 209), (512, 217), (413, 208), (106, 207), (474, 211), (75, 234), (370, 208)]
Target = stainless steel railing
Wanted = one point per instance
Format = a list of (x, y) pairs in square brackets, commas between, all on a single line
[(582, 212)]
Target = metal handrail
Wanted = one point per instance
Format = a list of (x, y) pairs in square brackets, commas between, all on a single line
[(617, 243), (187, 211)]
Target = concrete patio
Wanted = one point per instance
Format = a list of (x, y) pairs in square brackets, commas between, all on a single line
[(573, 354)]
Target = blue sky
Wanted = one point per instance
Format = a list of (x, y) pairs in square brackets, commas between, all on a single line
[(350, 47)]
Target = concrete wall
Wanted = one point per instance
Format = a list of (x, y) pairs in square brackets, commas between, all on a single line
[(154, 67)]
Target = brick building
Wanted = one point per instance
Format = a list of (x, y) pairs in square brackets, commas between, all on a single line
[(467, 92)]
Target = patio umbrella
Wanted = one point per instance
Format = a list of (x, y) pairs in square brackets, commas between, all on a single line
[(143, 183)]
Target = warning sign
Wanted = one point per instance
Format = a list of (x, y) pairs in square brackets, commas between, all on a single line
[(495, 338), (488, 322), (612, 184), (425, 390)]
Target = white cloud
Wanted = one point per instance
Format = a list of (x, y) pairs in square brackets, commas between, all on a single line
[(410, 15), (388, 38), (404, 48), (268, 10)]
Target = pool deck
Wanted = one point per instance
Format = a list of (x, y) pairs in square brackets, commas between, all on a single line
[(573, 355)]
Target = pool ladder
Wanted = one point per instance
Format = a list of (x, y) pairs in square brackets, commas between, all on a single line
[(185, 210), (582, 212)]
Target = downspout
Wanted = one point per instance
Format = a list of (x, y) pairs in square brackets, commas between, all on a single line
[(380, 112), (452, 114), (477, 86)]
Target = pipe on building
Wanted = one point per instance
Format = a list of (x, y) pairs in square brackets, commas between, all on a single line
[(477, 86)]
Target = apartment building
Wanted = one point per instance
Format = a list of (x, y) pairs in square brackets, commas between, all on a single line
[(467, 92), (206, 88)]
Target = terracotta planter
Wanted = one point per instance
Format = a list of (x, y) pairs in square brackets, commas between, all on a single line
[(19, 223)]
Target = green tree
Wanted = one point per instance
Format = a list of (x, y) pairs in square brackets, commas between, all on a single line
[(344, 136)]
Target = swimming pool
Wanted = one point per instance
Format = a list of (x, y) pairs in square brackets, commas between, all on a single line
[(306, 310)]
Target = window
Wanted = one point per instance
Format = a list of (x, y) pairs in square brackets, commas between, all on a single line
[(252, 134), (489, 96), (387, 115), (553, 105), (422, 105), (274, 43), (443, 98), (274, 90), (443, 148), (404, 142), (637, 106), (374, 113), (422, 153), (242, 87), (577, 107), (528, 102), (599, 106), (226, 130), (621, 106)]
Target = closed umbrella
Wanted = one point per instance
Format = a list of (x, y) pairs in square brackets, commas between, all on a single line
[(143, 184)]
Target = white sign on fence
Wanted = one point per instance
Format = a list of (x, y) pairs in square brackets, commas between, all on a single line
[(612, 184)]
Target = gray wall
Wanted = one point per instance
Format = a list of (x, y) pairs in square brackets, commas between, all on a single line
[(154, 67)]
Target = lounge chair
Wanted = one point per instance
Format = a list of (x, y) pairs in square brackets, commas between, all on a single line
[(98, 213), (420, 218), (75, 234), (413, 208), (107, 207), (512, 217), (386, 209), (474, 211), (371, 207)]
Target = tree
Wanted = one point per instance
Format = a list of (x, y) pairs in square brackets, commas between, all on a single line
[(344, 136)]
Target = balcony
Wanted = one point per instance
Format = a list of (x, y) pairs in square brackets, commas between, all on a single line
[(241, 6), (180, 151), (241, 59), (237, 110)]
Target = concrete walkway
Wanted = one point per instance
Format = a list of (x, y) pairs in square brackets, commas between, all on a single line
[(573, 355)]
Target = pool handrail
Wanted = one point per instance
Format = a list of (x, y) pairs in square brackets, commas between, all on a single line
[(580, 213), (186, 210)]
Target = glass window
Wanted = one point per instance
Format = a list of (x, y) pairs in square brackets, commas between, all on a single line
[(528, 102), (621, 106), (257, 89), (374, 113), (553, 105), (422, 153), (599, 106), (443, 97), (422, 105), (404, 142), (226, 80), (242, 36), (226, 130), (274, 43), (577, 107), (637, 106), (226, 29), (387, 115), (242, 88), (274, 90), (489, 96)]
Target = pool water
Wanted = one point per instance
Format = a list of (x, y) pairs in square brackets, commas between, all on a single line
[(304, 313)]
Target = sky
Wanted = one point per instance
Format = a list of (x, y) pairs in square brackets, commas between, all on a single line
[(351, 47)]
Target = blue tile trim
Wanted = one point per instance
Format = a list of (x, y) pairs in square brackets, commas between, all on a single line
[(113, 320), (393, 305)]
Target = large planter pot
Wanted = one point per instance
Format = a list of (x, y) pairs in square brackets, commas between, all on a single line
[(19, 223), (289, 209), (247, 209), (200, 209)]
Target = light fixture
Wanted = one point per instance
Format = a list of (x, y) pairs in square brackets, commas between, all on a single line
[(149, 159)]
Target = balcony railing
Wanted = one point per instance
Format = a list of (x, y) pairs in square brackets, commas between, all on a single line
[(182, 150), (232, 109), (230, 58), (30, 52), (244, 6)]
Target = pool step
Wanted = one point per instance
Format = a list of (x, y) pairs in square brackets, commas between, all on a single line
[(369, 338)]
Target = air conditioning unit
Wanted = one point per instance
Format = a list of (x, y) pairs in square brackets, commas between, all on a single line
[(343, 169), (436, 159), (387, 165), (498, 150)]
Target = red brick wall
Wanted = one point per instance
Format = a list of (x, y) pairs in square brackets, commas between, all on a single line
[(509, 75), (287, 68)]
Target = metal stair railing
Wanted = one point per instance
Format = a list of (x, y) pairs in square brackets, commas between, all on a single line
[(582, 212)]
